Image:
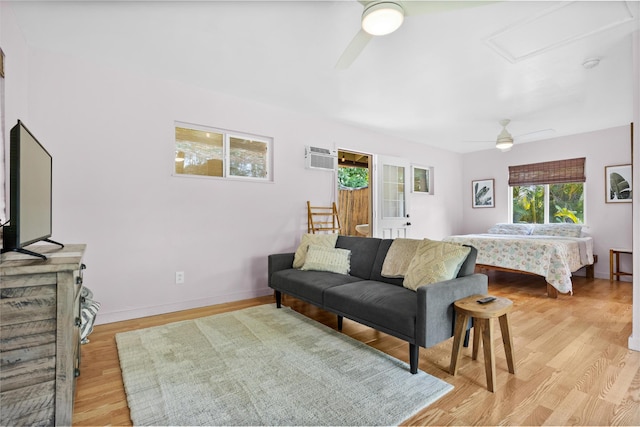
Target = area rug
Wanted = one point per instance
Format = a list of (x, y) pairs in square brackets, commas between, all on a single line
[(265, 366)]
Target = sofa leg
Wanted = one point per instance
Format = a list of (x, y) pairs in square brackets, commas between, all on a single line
[(414, 352), (278, 299), (340, 318)]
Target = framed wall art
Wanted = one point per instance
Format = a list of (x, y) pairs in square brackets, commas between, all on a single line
[(618, 186), (482, 192)]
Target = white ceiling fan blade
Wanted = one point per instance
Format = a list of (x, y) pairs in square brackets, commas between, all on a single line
[(538, 134), (412, 7), (524, 137), (353, 50), (477, 141)]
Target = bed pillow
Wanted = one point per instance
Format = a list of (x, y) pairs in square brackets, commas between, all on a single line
[(396, 262), (521, 229), (560, 229), (324, 240), (435, 262), (335, 260)]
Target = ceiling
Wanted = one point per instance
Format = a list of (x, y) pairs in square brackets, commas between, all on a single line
[(444, 79)]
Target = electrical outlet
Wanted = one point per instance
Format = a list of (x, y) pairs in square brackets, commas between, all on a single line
[(179, 277)]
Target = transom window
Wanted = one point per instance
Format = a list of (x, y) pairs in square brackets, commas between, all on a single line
[(214, 152), (548, 192)]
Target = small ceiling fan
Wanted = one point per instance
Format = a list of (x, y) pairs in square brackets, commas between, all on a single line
[(505, 140), (381, 17)]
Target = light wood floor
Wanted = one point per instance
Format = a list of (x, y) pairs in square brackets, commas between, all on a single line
[(573, 364)]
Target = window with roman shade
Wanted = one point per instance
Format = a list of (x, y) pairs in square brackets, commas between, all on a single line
[(555, 172), (548, 192)]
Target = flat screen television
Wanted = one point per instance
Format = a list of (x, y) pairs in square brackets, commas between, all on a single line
[(30, 193)]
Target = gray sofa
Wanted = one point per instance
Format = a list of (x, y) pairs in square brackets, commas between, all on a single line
[(423, 318)]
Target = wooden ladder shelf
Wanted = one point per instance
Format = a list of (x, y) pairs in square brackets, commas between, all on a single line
[(322, 219)]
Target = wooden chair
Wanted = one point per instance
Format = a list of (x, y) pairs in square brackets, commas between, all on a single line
[(322, 219)]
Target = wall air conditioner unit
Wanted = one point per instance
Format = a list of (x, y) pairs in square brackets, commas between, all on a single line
[(320, 158)]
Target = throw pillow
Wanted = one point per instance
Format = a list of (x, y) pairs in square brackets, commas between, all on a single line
[(560, 229), (324, 240), (502, 228), (335, 260), (434, 262), (401, 252)]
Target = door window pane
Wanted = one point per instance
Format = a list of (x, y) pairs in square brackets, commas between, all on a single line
[(393, 192)]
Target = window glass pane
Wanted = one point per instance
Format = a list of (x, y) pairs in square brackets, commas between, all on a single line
[(566, 203), (421, 180), (247, 158), (528, 204), (393, 193), (198, 152)]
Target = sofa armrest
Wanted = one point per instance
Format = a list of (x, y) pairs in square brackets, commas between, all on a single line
[(279, 262), (435, 318)]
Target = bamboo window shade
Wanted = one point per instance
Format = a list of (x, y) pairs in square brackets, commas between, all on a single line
[(555, 172)]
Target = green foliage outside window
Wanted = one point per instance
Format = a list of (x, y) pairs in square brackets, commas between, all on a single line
[(353, 177), (566, 203), (528, 204)]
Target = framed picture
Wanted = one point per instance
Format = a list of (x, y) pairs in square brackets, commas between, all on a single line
[(422, 179), (482, 193), (618, 187)]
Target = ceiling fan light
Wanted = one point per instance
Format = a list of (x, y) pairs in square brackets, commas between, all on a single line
[(505, 140), (504, 144), (383, 18)]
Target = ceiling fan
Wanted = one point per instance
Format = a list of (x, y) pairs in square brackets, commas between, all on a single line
[(505, 140), (382, 17)]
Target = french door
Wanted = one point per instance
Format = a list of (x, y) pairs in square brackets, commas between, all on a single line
[(391, 205)]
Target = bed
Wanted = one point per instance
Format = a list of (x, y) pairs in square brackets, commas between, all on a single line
[(553, 251)]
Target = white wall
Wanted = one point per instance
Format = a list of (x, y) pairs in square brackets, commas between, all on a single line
[(111, 136), (610, 224), (15, 87)]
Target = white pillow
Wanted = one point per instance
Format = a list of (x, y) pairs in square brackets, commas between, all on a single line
[(335, 260), (324, 240)]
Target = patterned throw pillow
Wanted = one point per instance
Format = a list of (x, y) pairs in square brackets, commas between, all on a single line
[(401, 252), (435, 262), (503, 228), (335, 260), (560, 229), (324, 240)]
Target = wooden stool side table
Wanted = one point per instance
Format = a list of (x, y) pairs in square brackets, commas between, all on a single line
[(615, 272), (482, 315)]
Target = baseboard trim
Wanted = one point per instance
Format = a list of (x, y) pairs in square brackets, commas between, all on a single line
[(118, 316)]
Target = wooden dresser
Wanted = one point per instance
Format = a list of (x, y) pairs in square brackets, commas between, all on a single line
[(40, 335)]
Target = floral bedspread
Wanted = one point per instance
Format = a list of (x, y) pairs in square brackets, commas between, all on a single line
[(554, 258)]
